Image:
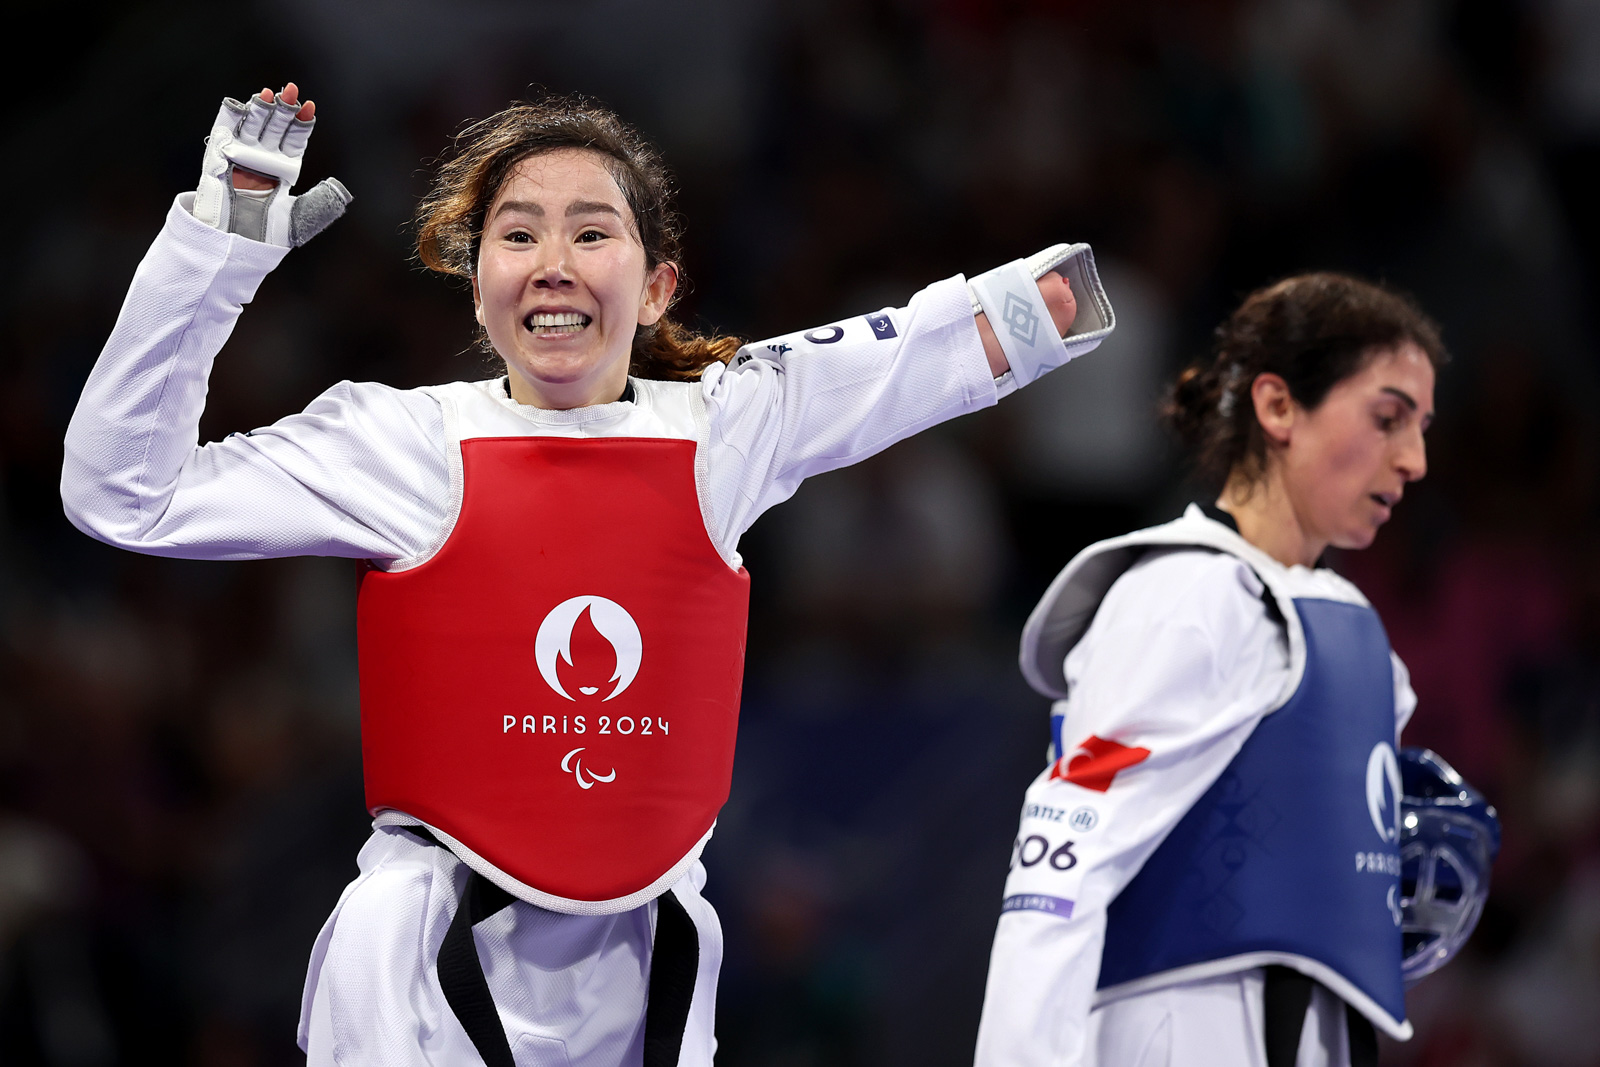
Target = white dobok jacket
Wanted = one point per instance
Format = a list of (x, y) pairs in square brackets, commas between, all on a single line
[(1181, 662), (371, 472)]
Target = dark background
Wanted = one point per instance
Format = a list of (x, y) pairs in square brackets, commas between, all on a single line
[(180, 796)]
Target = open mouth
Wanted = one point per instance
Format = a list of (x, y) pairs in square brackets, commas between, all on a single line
[(555, 322)]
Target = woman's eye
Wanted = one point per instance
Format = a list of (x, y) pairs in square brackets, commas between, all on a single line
[(591, 236), (1386, 423), (518, 237)]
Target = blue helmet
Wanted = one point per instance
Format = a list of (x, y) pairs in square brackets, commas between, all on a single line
[(1449, 837)]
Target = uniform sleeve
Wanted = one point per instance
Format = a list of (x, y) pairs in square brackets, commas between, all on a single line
[(362, 472), (1177, 668), (809, 402)]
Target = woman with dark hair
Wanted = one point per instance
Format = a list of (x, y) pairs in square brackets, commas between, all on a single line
[(1207, 871), (551, 613)]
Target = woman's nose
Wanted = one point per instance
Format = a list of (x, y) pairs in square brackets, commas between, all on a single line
[(551, 270), (1413, 458)]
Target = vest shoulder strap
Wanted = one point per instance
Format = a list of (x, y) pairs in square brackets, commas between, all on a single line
[(1068, 606)]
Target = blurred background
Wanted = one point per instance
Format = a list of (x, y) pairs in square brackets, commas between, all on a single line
[(180, 794)]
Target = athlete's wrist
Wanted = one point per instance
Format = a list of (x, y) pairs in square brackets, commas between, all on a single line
[(1039, 325)]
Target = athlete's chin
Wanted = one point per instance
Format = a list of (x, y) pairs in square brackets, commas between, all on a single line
[(1357, 537), (564, 369)]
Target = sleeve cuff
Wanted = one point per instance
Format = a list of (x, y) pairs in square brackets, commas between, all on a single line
[(982, 388), (248, 261), (241, 250)]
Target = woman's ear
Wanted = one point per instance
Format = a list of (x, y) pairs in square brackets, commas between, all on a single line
[(659, 286), (1275, 408), (477, 301)]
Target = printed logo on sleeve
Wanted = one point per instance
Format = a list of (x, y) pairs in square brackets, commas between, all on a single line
[(1094, 764), (1038, 902), (775, 351), (882, 326)]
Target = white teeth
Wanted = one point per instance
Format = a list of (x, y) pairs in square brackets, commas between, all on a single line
[(559, 320)]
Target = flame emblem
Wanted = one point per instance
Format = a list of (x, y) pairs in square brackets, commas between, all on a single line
[(1383, 769), (613, 623)]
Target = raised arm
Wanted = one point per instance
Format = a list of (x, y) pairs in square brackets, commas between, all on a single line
[(812, 401), (1016, 336), (133, 475)]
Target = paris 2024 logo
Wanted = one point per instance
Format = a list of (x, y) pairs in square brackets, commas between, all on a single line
[(554, 655), (1383, 806), (613, 623)]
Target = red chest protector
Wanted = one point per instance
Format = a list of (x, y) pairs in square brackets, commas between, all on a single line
[(557, 689)]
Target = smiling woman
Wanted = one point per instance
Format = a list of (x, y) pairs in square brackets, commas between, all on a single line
[(548, 207), (563, 290), (551, 616), (1227, 709)]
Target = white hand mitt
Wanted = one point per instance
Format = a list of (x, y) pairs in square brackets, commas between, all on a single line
[(1010, 297), (268, 139)]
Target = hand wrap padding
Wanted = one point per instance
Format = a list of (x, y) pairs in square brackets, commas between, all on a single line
[(1009, 296), (266, 139)]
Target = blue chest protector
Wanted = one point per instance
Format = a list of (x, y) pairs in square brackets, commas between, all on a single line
[(1291, 856)]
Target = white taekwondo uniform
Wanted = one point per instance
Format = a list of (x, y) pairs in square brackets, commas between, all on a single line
[(371, 472), (1182, 661)]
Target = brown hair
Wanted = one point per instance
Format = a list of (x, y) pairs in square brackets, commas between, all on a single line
[(450, 217), (1312, 330)]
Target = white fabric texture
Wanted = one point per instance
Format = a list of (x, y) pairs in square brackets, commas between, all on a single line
[(1183, 659), (368, 471), (1212, 1023), (569, 989)]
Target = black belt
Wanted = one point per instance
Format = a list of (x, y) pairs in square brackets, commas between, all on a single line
[(674, 962), (1286, 994)]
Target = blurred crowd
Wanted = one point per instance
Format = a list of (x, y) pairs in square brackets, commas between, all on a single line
[(180, 793)]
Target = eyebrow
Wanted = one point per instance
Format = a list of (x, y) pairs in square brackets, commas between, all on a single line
[(1410, 402), (526, 207), (590, 207), (1402, 394), (577, 207)]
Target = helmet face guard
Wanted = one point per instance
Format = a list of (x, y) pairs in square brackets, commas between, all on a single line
[(1449, 837)]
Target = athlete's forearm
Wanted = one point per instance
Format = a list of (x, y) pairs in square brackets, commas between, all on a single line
[(1040, 990), (819, 399), (137, 421)]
